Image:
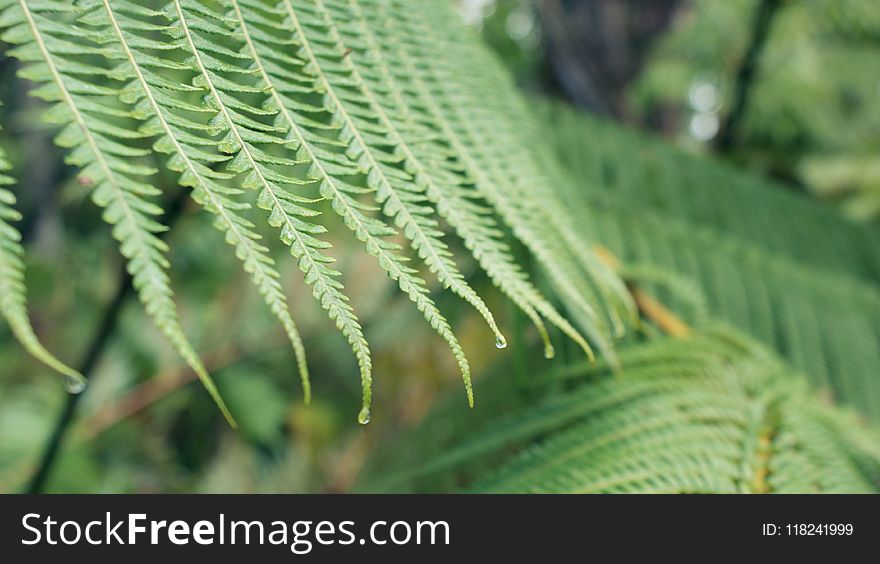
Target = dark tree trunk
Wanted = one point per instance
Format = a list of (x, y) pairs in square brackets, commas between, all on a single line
[(594, 48)]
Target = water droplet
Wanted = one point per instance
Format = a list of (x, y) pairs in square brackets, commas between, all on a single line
[(74, 385), (500, 341), (364, 416), (549, 351)]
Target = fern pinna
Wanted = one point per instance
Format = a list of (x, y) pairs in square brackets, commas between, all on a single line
[(783, 268), (297, 108), (714, 413)]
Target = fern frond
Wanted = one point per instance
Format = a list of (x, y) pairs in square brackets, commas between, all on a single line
[(119, 186), (742, 428), (712, 414), (646, 173), (263, 47), (460, 200), (825, 323), (526, 154), (295, 106), (415, 127), (155, 105), (779, 267), (498, 161), (242, 136), (400, 194), (13, 292)]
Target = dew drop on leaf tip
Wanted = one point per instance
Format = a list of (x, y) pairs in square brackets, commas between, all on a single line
[(364, 416), (74, 385)]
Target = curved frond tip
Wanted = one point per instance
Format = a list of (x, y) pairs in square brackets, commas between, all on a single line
[(13, 294), (299, 107)]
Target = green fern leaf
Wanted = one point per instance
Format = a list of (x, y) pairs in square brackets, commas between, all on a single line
[(505, 173), (119, 186), (13, 297), (807, 291), (263, 46), (712, 414), (147, 91), (293, 107), (415, 125)]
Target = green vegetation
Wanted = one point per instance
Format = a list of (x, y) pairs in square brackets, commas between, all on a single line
[(245, 154)]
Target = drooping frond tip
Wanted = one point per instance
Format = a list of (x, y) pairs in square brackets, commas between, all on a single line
[(13, 296), (297, 107)]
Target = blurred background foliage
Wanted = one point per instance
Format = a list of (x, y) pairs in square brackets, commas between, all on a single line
[(810, 119), (672, 66)]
